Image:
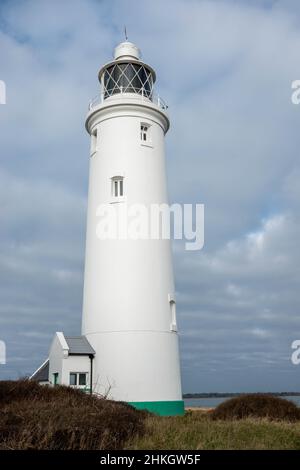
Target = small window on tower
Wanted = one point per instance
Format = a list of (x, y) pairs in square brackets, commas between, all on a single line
[(117, 186), (93, 142), (144, 132), (173, 325)]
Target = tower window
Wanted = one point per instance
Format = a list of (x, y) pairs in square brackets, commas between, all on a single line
[(173, 315), (117, 186), (93, 142), (144, 132)]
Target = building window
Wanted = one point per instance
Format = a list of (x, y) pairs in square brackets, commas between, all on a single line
[(55, 378), (82, 379), (78, 378), (117, 186), (144, 132), (73, 379), (94, 142)]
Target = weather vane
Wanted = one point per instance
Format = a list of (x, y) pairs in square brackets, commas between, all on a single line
[(125, 31)]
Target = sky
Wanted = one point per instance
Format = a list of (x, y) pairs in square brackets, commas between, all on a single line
[(225, 68)]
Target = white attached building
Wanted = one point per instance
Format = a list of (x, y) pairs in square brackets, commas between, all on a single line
[(70, 363)]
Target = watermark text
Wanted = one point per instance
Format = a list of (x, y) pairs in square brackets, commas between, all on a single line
[(2, 92), (152, 222), (295, 358), (2, 352)]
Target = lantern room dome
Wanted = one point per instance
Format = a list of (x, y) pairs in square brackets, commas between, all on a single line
[(126, 50)]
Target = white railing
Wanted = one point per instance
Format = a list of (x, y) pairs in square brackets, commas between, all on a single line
[(145, 95)]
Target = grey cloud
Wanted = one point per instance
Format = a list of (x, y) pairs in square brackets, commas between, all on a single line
[(225, 68)]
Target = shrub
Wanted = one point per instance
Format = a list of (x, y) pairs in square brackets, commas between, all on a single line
[(38, 417), (257, 405)]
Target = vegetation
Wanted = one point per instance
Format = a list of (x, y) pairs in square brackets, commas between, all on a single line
[(257, 405), (38, 417), (197, 431)]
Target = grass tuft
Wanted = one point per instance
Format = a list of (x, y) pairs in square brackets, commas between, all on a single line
[(257, 405)]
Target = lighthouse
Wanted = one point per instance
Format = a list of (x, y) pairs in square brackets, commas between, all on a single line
[(128, 349), (129, 306)]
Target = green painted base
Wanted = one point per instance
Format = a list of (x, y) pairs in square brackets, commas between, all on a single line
[(162, 408)]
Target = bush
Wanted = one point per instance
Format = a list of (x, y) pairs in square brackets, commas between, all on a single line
[(257, 405), (39, 417)]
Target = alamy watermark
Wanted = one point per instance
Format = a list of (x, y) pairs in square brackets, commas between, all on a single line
[(2, 92), (295, 97), (2, 352), (152, 222)]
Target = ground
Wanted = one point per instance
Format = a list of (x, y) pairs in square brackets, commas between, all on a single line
[(197, 431), (62, 418)]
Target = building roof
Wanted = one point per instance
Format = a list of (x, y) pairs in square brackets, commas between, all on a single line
[(79, 345), (42, 373)]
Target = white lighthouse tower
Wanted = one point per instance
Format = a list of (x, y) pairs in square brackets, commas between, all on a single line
[(129, 309)]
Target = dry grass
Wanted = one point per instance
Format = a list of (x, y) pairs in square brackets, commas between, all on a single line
[(36, 417), (254, 421), (197, 430), (257, 405)]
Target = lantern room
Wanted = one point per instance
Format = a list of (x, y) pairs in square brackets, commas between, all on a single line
[(127, 73)]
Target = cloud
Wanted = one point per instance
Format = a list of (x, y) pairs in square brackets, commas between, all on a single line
[(242, 301), (225, 68)]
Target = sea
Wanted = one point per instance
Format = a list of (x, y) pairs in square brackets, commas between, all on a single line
[(213, 402)]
